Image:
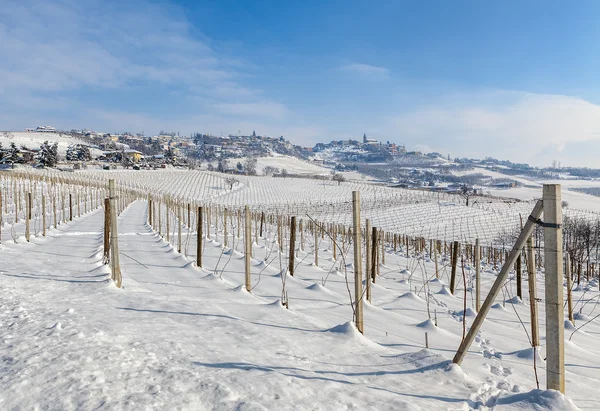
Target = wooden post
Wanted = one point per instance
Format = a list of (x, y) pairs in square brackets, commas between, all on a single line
[(531, 280), (292, 245), (569, 287), (477, 275), (179, 228), (54, 208), (301, 235), (358, 309), (1, 222), (208, 223), (333, 242), (199, 222), (382, 239), (454, 263), (262, 222), (555, 362), (225, 234), (159, 218), (70, 207), (499, 283), (316, 248), (27, 215), (374, 258), (368, 252), (106, 228), (435, 259), (167, 203), (248, 246), (519, 278), (114, 239)]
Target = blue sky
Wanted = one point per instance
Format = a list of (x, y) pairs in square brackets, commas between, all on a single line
[(514, 79)]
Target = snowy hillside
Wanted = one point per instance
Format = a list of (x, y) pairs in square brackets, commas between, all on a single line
[(35, 139), (531, 189), (177, 336), (293, 165)]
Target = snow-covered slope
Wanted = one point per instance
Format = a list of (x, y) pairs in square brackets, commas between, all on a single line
[(35, 139), (180, 337), (293, 165)]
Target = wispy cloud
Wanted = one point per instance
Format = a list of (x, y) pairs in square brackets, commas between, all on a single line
[(68, 49), (368, 71), (528, 127)]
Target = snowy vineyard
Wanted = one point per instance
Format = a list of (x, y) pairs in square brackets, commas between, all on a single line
[(205, 254)]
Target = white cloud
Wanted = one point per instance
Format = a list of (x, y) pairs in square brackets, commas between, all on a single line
[(367, 71), (68, 46), (528, 127)]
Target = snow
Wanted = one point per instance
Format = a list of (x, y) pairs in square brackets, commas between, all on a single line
[(293, 165), (35, 140), (531, 189), (181, 337)]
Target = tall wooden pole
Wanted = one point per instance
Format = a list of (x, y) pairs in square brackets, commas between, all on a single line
[(454, 263), (374, 258), (368, 253), (477, 275), (27, 215), (519, 278), (179, 228), (248, 246), (199, 222), (569, 288), (43, 214), (106, 228), (1, 222), (531, 280), (358, 309), (555, 355), (114, 238), (292, 245)]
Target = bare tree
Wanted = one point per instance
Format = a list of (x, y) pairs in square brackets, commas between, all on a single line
[(339, 178), (231, 181)]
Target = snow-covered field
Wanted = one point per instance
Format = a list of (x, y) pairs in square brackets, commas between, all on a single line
[(532, 188), (292, 165), (181, 337)]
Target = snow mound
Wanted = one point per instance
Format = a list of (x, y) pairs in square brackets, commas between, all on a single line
[(318, 287), (276, 305), (444, 291), (514, 300), (410, 296), (498, 306), (469, 313), (569, 325), (536, 400), (240, 289), (427, 325), (349, 331)]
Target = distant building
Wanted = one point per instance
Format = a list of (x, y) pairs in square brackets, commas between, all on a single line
[(369, 141), (45, 129)]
